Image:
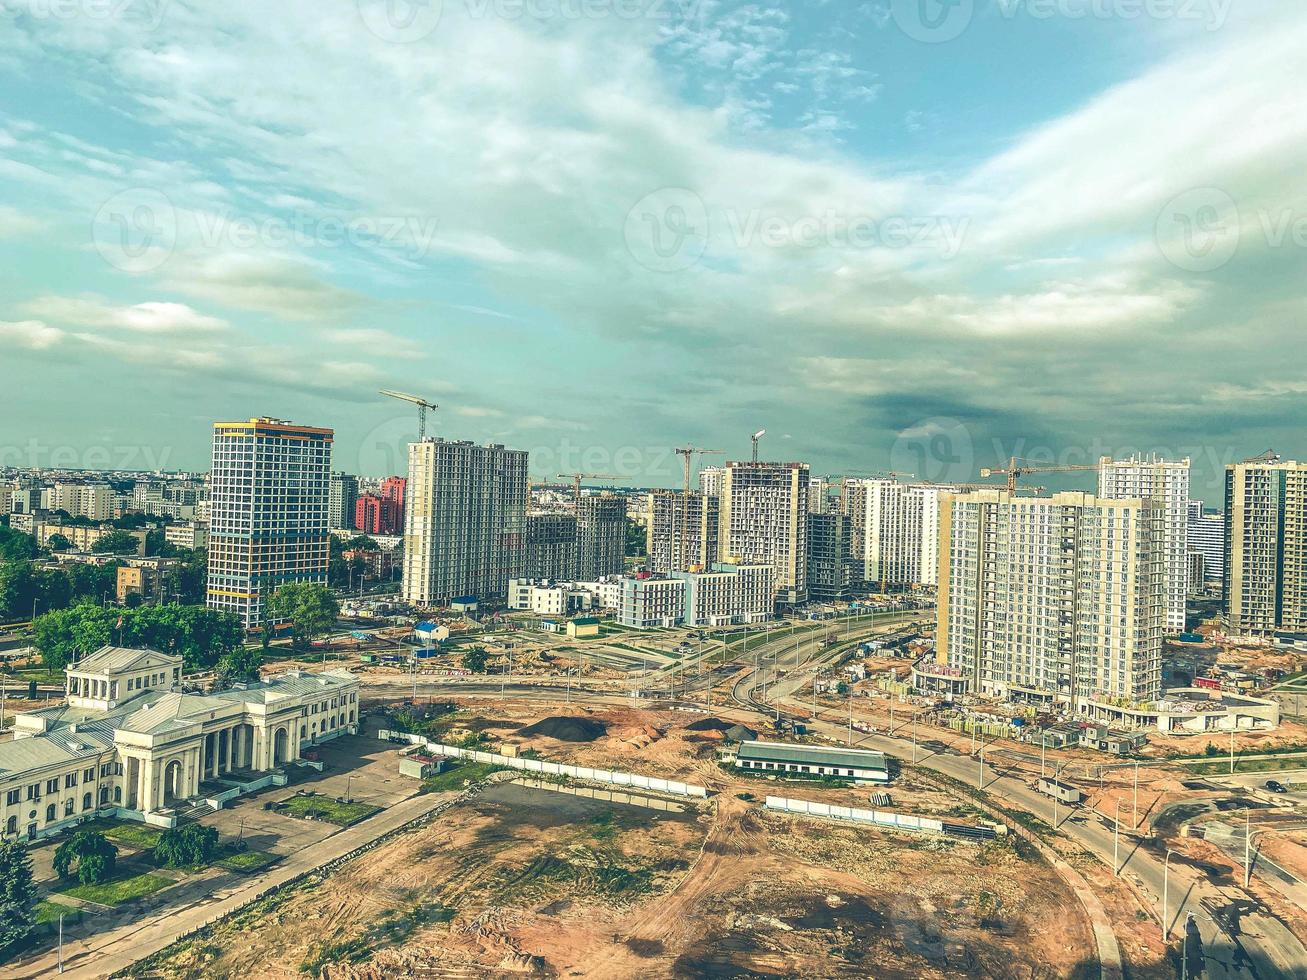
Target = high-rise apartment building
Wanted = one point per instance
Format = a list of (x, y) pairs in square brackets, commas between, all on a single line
[(711, 479), (342, 494), (1168, 483), (830, 556), (600, 536), (1058, 598), (465, 521), (681, 530), (1266, 545), (94, 501), (268, 493), (550, 547), (819, 495), (1206, 535), (764, 520), (393, 489)]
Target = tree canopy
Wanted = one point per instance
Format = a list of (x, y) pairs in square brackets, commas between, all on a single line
[(200, 636), (475, 660), (185, 847), (92, 853), (117, 542), (310, 609), (17, 895)]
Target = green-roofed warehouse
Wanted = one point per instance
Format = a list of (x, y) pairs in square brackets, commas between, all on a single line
[(816, 760)]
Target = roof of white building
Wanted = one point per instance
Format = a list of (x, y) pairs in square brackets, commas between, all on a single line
[(112, 660)]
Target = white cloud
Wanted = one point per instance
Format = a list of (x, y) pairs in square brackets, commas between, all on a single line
[(31, 334), (149, 317)]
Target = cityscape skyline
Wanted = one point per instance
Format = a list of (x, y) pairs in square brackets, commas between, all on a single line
[(906, 252)]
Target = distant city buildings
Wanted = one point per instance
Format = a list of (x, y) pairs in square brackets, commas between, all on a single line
[(1266, 545), (764, 520), (268, 488), (342, 495), (1168, 483), (1205, 535), (894, 531), (465, 521), (1053, 599)]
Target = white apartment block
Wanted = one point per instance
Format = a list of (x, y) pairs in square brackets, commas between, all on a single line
[(895, 531), (129, 744), (648, 603), (268, 512), (1266, 546), (1168, 483), (191, 535), (727, 594), (464, 521), (1207, 537), (681, 530), (711, 479), (91, 500), (546, 598), (1053, 599), (764, 520)]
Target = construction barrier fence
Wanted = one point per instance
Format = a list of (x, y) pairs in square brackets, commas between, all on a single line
[(634, 780), (882, 818)]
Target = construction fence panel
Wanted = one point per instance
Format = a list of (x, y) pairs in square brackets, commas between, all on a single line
[(670, 786)]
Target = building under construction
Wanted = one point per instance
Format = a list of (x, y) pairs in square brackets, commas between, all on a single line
[(681, 531)]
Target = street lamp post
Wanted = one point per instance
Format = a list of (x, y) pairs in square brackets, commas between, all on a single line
[(1116, 843), (980, 777), (1231, 751), (1166, 882), (1247, 850), (1135, 819)]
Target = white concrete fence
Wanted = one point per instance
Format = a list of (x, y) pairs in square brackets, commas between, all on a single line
[(883, 818), (616, 778)]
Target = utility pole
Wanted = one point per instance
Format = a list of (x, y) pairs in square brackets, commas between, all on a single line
[(1247, 850), (61, 942), (1231, 751), (1116, 843), (1166, 881), (980, 777), (1135, 818)]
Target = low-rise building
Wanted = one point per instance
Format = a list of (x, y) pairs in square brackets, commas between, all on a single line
[(83, 537), (190, 535), (648, 603), (131, 743), (142, 577), (862, 765)]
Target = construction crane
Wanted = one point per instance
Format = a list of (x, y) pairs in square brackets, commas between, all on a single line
[(422, 405), (688, 453), (576, 479), (1017, 468), (754, 439)]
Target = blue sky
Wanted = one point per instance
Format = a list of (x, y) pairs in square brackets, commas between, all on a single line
[(894, 233)]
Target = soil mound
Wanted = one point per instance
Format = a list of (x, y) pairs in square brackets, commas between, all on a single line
[(566, 729), (708, 725)]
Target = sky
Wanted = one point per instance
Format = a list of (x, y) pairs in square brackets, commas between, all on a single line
[(907, 235)]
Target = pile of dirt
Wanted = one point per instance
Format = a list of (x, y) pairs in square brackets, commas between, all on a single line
[(738, 733), (708, 725), (566, 729), (641, 737)]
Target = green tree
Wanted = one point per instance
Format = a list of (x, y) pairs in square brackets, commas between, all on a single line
[(116, 543), (17, 896), (186, 847), (635, 540), (92, 853), (199, 636), (16, 545), (310, 609), (841, 689), (58, 542), (186, 580), (475, 660), (241, 664)]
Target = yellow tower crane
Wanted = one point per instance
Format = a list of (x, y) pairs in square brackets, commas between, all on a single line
[(1017, 468)]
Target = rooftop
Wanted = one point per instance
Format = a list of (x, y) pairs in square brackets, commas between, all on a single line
[(818, 754)]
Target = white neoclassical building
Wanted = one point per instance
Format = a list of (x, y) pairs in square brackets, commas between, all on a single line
[(129, 742)]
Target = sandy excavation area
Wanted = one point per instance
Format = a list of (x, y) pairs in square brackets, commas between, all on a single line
[(533, 882)]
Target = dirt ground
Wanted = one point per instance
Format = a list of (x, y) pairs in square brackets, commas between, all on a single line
[(533, 882)]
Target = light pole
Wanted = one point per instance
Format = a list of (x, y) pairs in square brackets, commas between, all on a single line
[(349, 782), (1231, 751), (1247, 850), (1116, 843), (1135, 818), (980, 776), (1166, 882)]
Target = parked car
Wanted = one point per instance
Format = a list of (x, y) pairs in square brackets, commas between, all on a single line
[(1275, 786)]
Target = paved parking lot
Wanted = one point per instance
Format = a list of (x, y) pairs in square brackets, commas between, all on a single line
[(365, 768)]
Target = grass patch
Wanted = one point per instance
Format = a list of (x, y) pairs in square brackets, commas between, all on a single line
[(126, 833), (246, 861), (47, 913), (453, 777), (1218, 768), (325, 808), (393, 929), (122, 887)]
